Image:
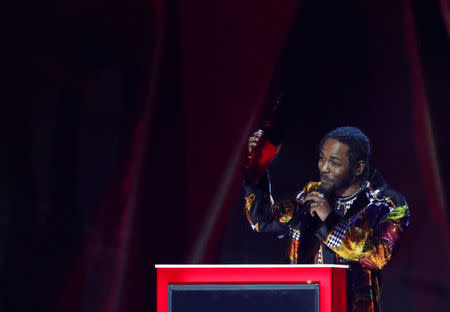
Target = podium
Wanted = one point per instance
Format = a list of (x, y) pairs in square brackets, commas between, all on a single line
[(217, 288)]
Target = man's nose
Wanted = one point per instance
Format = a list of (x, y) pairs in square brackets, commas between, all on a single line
[(324, 167)]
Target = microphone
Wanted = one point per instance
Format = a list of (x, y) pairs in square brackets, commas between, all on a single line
[(304, 216), (305, 209), (307, 204)]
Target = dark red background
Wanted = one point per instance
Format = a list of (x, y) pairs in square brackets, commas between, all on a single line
[(126, 123)]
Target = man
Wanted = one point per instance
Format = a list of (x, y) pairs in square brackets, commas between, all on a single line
[(349, 217)]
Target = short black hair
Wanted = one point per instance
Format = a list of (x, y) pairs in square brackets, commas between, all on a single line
[(358, 146)]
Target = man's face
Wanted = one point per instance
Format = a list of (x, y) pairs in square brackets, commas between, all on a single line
[(334, 166)]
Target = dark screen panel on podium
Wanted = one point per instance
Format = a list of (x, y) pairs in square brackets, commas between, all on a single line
[(242, 297)]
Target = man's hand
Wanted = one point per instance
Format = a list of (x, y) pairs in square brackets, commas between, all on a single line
[(253, 140), (319, 206)]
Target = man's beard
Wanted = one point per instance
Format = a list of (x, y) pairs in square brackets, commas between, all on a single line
[(343, 182)]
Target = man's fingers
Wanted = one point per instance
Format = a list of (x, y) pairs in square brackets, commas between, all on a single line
[(312, 210), (258, 133), (313, 197), (315, 193), (253, 141)]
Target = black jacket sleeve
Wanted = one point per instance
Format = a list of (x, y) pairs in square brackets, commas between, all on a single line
[(262, 213)]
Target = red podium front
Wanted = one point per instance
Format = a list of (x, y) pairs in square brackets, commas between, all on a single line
[(330, 280)]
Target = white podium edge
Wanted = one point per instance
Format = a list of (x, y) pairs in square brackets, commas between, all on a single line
[(231, 266)]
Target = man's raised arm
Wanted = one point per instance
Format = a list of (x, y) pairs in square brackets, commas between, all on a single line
[(261, 211)]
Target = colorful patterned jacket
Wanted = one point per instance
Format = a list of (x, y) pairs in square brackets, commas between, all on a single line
[(362, 231)]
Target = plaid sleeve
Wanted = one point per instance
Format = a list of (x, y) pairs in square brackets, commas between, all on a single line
[(367, 237)]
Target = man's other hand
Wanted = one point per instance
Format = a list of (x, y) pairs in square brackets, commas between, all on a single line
[(320, 205), (254, 139)]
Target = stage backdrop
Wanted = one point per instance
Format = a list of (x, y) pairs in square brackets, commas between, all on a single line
[(126, 126)]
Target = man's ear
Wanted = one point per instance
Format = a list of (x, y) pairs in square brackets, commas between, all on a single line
[(360, 168)]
